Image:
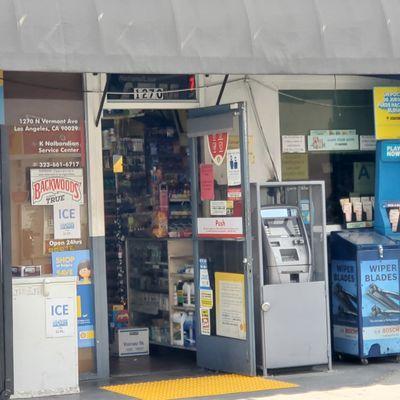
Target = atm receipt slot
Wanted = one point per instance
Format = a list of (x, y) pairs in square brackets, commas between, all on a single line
[(287, 255)]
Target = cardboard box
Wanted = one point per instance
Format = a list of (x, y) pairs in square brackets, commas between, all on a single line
[(131, 342), (26, 270)]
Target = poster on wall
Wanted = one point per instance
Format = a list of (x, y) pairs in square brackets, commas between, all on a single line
[(77, 263), (222, 227), (206, 182), (59, 313), (217, 146), (345, 306), (295, 166), (387, 112), (233, 167), (333, 141), (1, 98), (380, 306), (367, 143), (67, 221), (293, 144), (230, 305), (51, 186)]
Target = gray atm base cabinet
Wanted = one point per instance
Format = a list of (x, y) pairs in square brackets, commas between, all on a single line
[(294, 327)]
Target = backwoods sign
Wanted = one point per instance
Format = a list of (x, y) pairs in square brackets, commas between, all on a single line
[(50, 186)]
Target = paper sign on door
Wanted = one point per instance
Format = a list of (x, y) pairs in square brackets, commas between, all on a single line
[(206, 182), (233, 167), (67, 221)]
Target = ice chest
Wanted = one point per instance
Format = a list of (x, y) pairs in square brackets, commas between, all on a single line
[(131, 342), (365, 294)]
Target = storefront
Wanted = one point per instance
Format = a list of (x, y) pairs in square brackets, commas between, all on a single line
[(135, 252), (60, 134)]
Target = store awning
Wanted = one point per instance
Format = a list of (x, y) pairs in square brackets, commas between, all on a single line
[(201, 36)]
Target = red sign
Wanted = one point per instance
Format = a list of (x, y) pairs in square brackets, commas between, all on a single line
[(218, 145), (206, 182), (51, 186), (234, 193)]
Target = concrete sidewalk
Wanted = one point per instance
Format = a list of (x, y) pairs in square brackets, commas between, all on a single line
[(346, 381)]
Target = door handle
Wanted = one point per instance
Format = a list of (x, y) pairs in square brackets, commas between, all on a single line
[(265, 306)]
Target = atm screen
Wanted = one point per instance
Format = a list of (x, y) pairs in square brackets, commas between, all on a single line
[(278, 213)]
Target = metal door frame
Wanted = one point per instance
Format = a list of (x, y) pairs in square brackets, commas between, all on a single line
[(6, 324), (241, 109)]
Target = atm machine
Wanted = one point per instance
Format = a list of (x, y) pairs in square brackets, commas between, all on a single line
[(286, 247), (290, 275)]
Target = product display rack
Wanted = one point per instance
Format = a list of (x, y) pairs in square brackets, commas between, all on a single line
[(150, 302), (148, 206)]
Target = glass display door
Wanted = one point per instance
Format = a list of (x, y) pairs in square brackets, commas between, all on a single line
[(222, 238)]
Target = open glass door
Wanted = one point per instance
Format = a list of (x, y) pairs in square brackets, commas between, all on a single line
[(222, 239)]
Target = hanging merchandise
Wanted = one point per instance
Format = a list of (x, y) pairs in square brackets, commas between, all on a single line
[(120, 245), (179, 293), (186, 293), (178, 335), (189, 330)]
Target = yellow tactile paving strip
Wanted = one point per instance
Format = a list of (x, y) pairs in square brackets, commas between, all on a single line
[(184, 388)]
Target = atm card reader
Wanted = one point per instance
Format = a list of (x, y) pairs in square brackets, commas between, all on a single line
[(287, 254)]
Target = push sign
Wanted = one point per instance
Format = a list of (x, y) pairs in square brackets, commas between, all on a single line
[(60, 316)]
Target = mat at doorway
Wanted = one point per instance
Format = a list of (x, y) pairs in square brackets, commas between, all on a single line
[(183, 388)]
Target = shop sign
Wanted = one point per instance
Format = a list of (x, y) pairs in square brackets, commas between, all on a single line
[(233, 167), (230, 305), (222, 227), (47, 136), (1, 98), (205, 321), (206, 182), (67, 221), (333, 142), (151, 88), (77, 263), (51, 186), (293, 144), (387, 112), (59, 317), (217, 146), (54, 245), (367, 143)]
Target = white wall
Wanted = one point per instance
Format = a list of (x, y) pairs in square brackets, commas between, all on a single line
[(265, 92)]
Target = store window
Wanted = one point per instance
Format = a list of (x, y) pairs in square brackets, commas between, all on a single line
[(44, 117), (329, 135)]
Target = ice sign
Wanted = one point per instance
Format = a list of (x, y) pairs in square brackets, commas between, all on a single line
[(391, 103)]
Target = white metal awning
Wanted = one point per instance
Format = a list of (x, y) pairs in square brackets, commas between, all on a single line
[(201, 36)]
